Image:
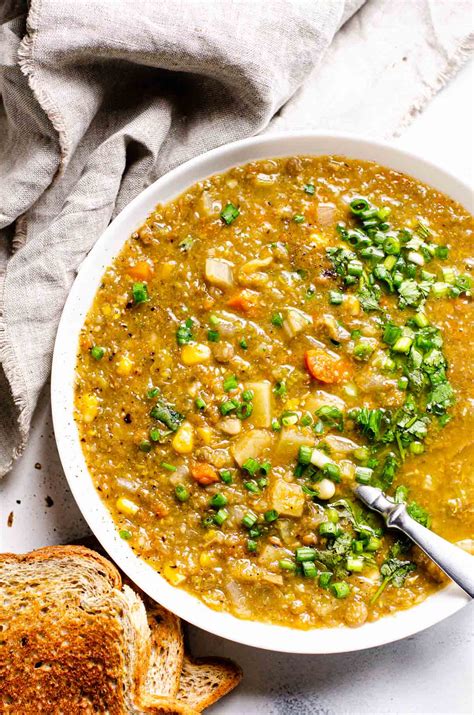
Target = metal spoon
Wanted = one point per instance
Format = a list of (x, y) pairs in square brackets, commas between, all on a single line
[(456, 563)]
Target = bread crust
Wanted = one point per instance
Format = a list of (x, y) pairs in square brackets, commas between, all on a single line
[(74, 639)]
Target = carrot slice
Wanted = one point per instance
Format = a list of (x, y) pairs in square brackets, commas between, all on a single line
[(325, 367), (243, 301), (141, 271), (204, 473)]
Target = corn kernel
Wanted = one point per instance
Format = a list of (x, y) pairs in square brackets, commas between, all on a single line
[(88, 407), (207, 560), (172, 575), (204, 434), (126, 506), (183, 441), (195, 353), (210, 535), (106, 309), (124, 366), (292, 404), (166, 269)]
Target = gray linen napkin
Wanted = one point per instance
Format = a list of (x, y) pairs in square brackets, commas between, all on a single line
[(100, 97)]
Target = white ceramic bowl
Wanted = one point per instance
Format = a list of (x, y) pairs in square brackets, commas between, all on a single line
[(262, 635)]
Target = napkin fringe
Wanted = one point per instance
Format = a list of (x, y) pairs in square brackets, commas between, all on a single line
[(453, 65), (26, 61)]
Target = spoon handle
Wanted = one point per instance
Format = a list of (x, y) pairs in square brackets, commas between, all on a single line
[(456, 563)]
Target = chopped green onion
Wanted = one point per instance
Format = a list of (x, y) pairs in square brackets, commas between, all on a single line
[(305, 553), (277, 320), (335, 297), (265, 468), (214, 320), (309, 189), (247, 395), (221, 516), (252, 486), (289, 418), (125, 534), (155, 434), (276, 426), (271, 515), (355, 268), (403, 383), (373, 544), (280, 389), (140, 293), (306, 420), (441, 252), (152, 392), (226, 476), (231, 383), (403, 344), (251, 466), (97, 352), (359, 205), (332, 515), (184, 333), (145, 446), (287, 565), (309, 569), (229, 213), (169, 467), (354, 564), (243, 344), (251, 545), (391, 246), (200, 404), (361, 454), (332, 471), (228, 406), (305, 454), (440, 289), (329, 529), (244, 410), (181, 492), (218, 500), (249, 519), (325, 579), (340, 589), (363, 475), (213, 336), (298, 218)]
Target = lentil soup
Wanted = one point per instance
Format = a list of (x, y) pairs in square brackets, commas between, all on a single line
[(264, 342)]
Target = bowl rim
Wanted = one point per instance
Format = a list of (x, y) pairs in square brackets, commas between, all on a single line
[(254, 633)]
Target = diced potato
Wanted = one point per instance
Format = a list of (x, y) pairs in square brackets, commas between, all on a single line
[(319, 398), (183, 441), (250, 444), (296, 321), (289, 443), (230, 425), (287, 498), (172, 575), (207, 560), (219, 273), (262, 403), (195, 353)]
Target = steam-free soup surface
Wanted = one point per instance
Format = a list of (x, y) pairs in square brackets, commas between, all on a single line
[(263, 343)]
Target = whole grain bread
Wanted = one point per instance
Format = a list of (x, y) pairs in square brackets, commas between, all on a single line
[(205, 680), (74, 640)]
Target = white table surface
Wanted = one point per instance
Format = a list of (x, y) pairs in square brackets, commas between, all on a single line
[(427, 673)]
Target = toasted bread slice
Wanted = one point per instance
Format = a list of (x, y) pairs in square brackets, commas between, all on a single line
[(206, 680), (167, 651)]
